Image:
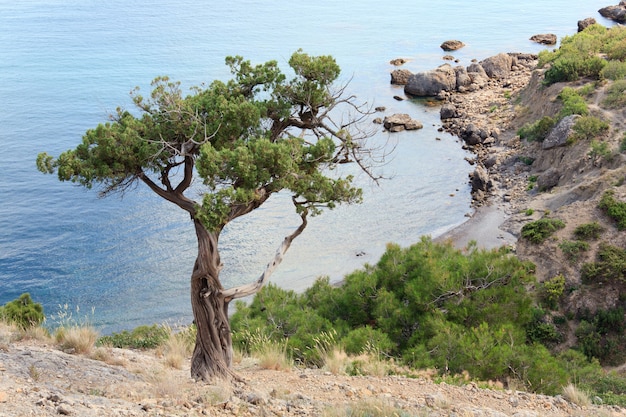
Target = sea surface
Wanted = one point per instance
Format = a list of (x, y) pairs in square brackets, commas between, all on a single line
[(65, 65)]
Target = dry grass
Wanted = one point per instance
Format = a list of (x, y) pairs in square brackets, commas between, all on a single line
[(370, 408), (176, 351), (272, 355), (336, 361), (575, 395), (76, 339)]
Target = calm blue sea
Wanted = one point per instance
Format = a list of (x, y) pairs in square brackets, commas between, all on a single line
[(66, 64)]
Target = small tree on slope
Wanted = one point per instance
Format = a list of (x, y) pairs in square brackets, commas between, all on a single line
[(247, 139)]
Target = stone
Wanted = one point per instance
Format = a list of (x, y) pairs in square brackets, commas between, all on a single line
[(398, 61), (400, 76), (548, 179), (585, 23), (498, 66), (544, 38), (560, 133), (614, 13), (4, 397), (448, 111), (452, 45), (431, 83), (400, 122)]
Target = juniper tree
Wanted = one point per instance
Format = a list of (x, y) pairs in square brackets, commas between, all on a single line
[(246, 139)]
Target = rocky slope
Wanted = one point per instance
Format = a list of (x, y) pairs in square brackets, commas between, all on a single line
[(37, 379)]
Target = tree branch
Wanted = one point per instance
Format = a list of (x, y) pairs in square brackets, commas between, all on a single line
[(254, 287), (173, 197)]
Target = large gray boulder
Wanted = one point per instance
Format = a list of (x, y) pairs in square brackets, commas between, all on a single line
[(400, 122), (585, 23), (477, 74), (615, 13), (463, 80), (498, 66), (548, 179), (400, 76), (560, 133), (431, 83)]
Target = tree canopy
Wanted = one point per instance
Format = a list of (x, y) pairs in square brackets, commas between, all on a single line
[(246, 139)]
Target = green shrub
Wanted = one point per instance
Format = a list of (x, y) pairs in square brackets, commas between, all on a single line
[(614, 70), (615, 97), (573, 103), (601, 150), (573, 67), (614, 209), (573, 249), (552, 290), (23, 312), (588, 231), (537, 131), (610, 266), (142, 337), (587, 128), (540, 230), (367, 339)]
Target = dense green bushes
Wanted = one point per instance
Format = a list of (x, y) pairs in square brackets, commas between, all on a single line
[(142, 337), (541, 229), (23, 312), (614, 208), (429, 305)]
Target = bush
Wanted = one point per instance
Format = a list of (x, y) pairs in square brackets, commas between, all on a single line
[(610, 266), (614, 70), (552, 290), (600, 150), (615, 97), (588, 231), (540, 230), (365, 340), (538, 130), (573, 103), (614, 208), (23, 312), (573, 249), (587, 128), (142, 337)]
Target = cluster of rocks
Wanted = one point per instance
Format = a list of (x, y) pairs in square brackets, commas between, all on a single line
[(615, 13), (473, 100)]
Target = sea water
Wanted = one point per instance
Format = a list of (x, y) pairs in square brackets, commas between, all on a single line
[(65, 65)]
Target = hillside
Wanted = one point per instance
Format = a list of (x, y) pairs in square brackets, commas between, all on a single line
[(38, 379)]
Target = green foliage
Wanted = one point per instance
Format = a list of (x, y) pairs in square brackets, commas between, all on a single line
[(615, 97), (23, 312), (247, 138), (573, 249), (529, 212), (578, 55), (614, 70), (541, 229), (527, 160), (610, 266), (614, 208), (142, 337), (367, 339), (552, 290), (601, 335), (587, 128), (573, 103), (601, 150), (538, 130), (588, 231)]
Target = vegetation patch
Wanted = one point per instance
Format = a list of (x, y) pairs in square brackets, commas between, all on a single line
[(610, 266), (588, 231), (539, 230), (142, 337), (573, 249), (614, 208), (573, 103), (587, 128), (22, 312), (537, 131)]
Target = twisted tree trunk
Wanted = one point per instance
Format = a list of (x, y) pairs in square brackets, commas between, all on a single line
[(212, 355)]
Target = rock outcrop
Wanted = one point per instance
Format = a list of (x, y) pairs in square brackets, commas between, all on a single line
[(615, 13), (431, 83), (400, 122), (544, 38)]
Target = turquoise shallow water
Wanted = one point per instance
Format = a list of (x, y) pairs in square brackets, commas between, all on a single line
[(66, 64)]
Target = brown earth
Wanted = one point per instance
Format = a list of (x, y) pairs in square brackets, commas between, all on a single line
[(37, 379)]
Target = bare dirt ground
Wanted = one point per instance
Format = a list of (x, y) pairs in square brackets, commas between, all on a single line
[(36, 379)]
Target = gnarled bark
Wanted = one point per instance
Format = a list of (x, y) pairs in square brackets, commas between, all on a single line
[(212, 355)]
